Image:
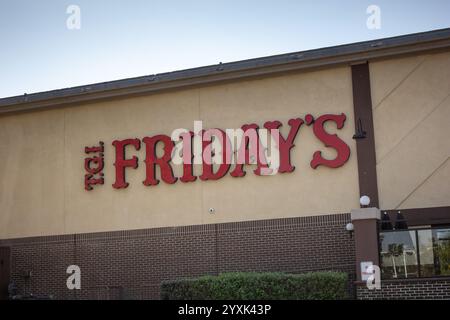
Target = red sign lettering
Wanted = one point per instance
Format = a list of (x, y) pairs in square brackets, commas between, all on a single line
[(266, 148), (122, 163)]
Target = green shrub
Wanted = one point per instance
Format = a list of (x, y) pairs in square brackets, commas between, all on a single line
[(259, 286)]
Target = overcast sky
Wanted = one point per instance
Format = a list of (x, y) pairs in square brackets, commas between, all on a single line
[(43, 47)]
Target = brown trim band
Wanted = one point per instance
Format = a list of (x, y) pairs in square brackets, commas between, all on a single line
[(364, 135), (422, 216)]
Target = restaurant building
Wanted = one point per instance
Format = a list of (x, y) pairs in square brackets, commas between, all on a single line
[(87, 176)]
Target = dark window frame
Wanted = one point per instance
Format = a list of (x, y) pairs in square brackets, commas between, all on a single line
[(416, 233)]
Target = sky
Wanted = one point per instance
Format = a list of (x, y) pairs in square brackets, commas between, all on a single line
[(43, 46)]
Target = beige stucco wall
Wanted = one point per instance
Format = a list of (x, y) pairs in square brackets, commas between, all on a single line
[(41, 175), (411, 110)]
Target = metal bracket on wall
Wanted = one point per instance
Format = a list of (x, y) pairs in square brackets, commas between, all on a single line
[(360, 133)]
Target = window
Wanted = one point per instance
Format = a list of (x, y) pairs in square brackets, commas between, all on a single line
[(415, 253)]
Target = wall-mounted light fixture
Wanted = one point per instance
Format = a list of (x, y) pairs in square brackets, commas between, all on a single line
[(350, 229), (364, 201), (400, 222), (386, 223)]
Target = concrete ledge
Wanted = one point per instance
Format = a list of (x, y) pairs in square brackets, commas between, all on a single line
[(365, 214)]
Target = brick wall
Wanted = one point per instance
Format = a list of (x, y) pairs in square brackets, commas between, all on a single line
[(132, 264), (408, 289)]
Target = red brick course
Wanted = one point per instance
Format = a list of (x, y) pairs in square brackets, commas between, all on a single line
[(132, 264), (411, 289)]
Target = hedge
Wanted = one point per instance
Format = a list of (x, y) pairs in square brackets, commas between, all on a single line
[(259, 286)]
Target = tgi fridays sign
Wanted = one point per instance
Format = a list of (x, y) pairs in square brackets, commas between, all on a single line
[(216, 151)]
